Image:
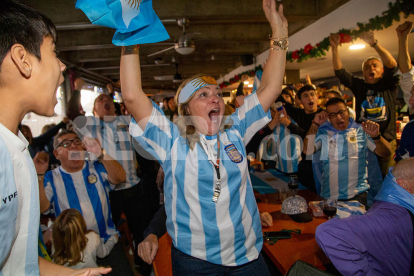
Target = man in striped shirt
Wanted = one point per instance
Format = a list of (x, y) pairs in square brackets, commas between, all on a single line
[(137, 198), (84, 186), (344, 146)]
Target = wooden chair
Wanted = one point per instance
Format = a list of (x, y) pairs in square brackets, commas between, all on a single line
[(124, 229)]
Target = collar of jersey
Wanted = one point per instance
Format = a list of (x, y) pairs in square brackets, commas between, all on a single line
[(65, 171), (392, 192)]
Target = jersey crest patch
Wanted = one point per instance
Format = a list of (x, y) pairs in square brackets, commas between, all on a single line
[(92, 178), (233, 153), (352, 139)]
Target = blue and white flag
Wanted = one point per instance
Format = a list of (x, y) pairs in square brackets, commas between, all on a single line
[(257, 80), (134, 20)]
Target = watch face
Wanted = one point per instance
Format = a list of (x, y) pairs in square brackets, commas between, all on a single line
[(284, 43)]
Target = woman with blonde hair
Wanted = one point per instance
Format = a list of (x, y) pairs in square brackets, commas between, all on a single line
[(212, 215), (73, 245)]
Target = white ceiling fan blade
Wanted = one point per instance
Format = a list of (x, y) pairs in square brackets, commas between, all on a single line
[(162, 51), (164, 78)]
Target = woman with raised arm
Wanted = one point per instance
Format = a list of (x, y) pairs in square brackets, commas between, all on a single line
[(212, 216)]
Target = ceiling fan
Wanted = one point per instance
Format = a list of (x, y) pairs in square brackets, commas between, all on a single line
[(185, 44)]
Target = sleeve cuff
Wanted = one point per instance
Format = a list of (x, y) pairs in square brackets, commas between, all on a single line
[(135, 130), (407, 75)]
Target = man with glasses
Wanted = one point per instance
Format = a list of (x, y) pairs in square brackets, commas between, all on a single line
[(137, 197), (344, 146), (84, 185), (378, 76), (333, 93)]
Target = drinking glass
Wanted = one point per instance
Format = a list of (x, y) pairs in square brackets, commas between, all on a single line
[(329, 207), (293, 183)]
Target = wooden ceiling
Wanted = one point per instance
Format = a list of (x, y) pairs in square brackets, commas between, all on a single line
[(229, 29)]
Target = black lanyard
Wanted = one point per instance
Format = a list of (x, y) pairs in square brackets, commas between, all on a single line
[(217, 189)]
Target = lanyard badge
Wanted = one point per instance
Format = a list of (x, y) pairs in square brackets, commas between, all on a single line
[(217, 189)]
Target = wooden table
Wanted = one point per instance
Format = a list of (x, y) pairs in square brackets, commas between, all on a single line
[(284, 253)]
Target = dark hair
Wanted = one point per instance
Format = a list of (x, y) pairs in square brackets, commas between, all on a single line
[(60, 134), (307, 87), (20, 24), (334, 101), (335, 92), (285, 91)]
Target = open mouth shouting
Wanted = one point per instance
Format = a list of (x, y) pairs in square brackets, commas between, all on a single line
[(76, 155), (214, 115), (371, 76), (107, 107)]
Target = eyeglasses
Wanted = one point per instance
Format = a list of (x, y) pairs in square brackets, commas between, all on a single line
[(341, 113), (68, 143)]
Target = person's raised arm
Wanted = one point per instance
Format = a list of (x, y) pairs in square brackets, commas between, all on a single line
[(74, 107), (134, 97), (116, 173), (387, 59), (272, 78), (334, 40), (404, 61), (383, 148), (309, 142), (42, 140), (41, 162)]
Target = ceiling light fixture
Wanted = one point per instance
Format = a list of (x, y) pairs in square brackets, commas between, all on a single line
[(185, 50), (357, 46), (246, 82), (250, 85)]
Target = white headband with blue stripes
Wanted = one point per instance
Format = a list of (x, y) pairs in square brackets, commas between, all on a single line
[(193, 86)]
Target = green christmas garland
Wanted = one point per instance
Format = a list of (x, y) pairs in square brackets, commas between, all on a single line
[(319, 50), (374, 24), (237, 78)]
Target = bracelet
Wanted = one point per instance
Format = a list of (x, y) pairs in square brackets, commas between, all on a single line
[(40, 174), (376, 137), (375, 43), (313, 121), (129, 50), (284, 38), (278, 49), (280, 44)]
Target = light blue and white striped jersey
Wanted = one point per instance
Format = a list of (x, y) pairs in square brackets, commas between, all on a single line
[(115, 139), (344, 160), (227, 232), (19, 207), (257, 80), (284, 148), (73, 191)]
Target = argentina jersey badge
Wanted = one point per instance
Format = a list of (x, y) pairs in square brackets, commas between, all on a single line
[(92, 178), (352, 136), (233, 153)]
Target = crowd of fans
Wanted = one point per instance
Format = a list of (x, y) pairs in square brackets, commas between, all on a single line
[(112, 167)]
